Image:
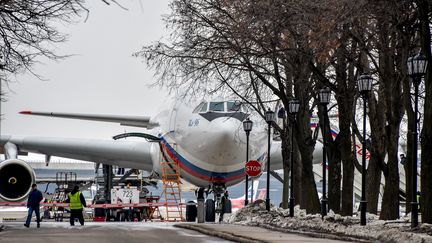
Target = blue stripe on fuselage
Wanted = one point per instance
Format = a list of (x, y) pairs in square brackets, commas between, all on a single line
[(207, 173)]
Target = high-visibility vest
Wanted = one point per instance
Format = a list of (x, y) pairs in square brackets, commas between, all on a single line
[(418, 201), (75, 201)]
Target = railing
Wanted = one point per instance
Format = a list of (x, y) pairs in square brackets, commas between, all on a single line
[(121, 205)]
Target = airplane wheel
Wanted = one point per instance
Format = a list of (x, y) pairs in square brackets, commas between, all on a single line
[(210, 215)]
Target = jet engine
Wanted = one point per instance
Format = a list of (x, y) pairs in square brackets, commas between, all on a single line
[(16, 179)]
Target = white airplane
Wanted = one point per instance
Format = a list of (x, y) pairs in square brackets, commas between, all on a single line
[(207, 140)]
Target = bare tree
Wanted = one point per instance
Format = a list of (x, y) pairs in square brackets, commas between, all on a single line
[(217, 42), (284, 49), (28, 31)]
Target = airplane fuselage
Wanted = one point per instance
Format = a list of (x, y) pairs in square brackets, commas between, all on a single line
[(210, 144)]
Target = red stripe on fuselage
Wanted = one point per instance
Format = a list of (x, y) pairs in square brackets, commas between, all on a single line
[(195, 173)]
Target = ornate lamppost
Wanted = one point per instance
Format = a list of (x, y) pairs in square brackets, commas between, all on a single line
[(364, 84), (417, 68), (247, 127), (269, 118), (293, 107), (324, 98)]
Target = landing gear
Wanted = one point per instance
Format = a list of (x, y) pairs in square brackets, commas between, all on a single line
[(210, 212), (223, 204), (206, 212)]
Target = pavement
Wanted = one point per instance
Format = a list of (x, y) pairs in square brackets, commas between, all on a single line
[(131, 232), (250, 234), (102, 232)]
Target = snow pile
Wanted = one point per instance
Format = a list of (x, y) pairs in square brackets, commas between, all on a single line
[(255, 214)]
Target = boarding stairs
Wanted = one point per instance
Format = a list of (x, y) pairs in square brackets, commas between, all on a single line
[(171, 188)]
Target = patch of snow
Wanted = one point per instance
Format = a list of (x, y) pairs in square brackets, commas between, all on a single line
[(255, 214)]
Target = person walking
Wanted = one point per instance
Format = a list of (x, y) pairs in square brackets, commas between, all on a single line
[(76, 204), (33, 204), (200, 205)]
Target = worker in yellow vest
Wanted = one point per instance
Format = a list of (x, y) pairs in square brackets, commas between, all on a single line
[(76, 204), (419, 199)]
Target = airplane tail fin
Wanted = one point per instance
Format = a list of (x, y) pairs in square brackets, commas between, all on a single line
[(251, 193)]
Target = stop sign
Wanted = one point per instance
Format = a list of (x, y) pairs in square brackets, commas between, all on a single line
[(253, 168)]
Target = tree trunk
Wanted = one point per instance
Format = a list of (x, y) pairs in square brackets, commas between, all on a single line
[(285, 186), (345, 107), (390, 203), (334, 180), (409, 142), (334, 165), (345, 101), (392, 79), (379, 108), (298, 168), (426, 135), (373, 178), (347, 178), (309, 199), (394, 103), (407, 107), (346, 156)]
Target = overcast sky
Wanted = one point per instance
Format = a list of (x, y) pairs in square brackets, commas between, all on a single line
[(102, 78)]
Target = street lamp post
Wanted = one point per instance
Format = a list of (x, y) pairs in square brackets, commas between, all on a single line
[(247, 127), (364, 86), (324, 98), (417, 67), (293, 107), (270, 118)]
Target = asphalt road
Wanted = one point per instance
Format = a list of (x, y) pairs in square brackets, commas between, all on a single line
[(92, 232)]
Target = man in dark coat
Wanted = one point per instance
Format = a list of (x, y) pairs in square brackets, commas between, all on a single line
[(224, 201), (33, 204), (76, 202)]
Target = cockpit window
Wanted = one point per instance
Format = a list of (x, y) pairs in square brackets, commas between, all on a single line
[(216, 106), (233, 106), (202, 107)]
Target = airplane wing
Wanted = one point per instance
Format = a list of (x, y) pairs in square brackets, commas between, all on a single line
[(135, 121), (276, 161), (129, 154)]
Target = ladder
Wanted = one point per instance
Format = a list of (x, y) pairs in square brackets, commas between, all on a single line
[(171, 189)]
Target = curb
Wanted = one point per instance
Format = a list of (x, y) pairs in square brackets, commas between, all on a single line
[(224, 235), (244, 239), (322, 235)]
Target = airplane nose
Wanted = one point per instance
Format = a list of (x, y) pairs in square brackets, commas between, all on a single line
[(224, 129), (223, 139)]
